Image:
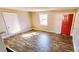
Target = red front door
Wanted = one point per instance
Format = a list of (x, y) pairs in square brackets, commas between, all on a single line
[(66, 24)]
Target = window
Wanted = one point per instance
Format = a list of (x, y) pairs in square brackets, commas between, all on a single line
[(43, 19)]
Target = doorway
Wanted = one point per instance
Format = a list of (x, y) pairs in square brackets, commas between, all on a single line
[(66, 24)]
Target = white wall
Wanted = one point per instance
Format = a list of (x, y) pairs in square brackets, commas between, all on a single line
[(24, 21), (36, 22), (12, 22), (76, 33), (54, 21)]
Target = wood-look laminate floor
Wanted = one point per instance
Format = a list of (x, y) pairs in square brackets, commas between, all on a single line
[(38, 41)]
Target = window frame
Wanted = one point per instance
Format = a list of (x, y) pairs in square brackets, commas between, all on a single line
[(42, 21)]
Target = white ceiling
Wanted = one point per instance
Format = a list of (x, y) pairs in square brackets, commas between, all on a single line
[(34, 9)]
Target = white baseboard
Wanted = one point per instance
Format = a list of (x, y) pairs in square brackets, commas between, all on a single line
[(44, 30)]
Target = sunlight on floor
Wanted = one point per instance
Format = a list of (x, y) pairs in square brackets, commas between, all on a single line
[(29, 34)]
